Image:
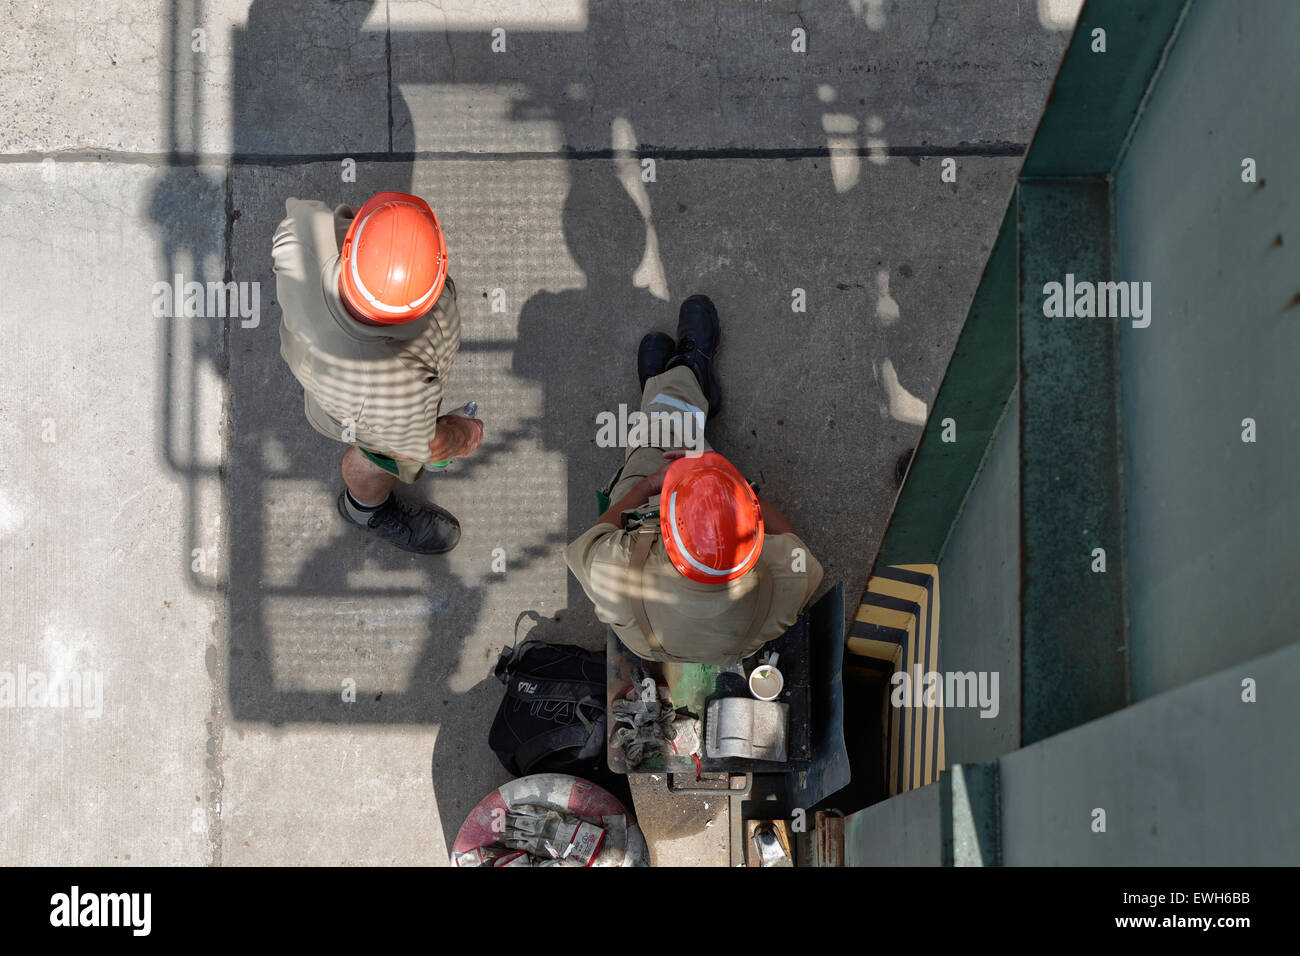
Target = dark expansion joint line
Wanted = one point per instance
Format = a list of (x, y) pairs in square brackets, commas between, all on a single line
[(991, 150)]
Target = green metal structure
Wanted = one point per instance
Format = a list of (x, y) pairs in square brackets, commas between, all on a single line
[(1100, 540)]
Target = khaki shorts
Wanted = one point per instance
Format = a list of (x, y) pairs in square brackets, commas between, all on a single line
[(406, 469)]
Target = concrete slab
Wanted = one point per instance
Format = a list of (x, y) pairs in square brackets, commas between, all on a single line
[(134, 76), (682, 829), (99, 515), (719, 76), (155, 76), (331, 796)]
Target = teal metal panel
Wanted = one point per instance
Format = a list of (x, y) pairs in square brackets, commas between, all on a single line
[(951, 822), (906, 830), (1212, 520), (1192, 777), (1152, 172), (1096, 96), (1073, 665), (979, 573)]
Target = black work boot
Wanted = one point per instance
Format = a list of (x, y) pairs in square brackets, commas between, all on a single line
[(698, 336), (423, 529), (652, 355)]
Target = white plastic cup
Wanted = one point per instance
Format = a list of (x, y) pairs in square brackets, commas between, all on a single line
[(766, 682)]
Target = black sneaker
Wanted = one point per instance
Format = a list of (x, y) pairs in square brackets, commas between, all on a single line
[(423, 529), (652, 355), (698, 335)]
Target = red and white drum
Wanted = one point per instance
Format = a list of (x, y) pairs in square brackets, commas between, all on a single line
[(624, 844)]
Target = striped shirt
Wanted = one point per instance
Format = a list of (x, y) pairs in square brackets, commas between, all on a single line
[(379, 387)]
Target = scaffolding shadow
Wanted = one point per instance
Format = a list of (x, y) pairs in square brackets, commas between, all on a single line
[(315, 84)]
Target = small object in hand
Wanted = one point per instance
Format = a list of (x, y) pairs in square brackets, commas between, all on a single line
[(468, 410)]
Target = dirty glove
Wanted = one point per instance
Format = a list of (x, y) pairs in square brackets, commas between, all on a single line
[(541, 832)]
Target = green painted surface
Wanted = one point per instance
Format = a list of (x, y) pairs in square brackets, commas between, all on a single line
[(1097, 95), (1149, 420), (1193, 777), (1073, 653)]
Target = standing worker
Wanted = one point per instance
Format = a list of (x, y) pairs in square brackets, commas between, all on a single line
[(370, 329), (688, 563)]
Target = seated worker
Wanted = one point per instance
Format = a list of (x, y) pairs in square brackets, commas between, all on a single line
[(689, 564)]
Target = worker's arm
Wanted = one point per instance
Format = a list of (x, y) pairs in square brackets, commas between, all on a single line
[(635, 498), (639, 494), (773, 521)]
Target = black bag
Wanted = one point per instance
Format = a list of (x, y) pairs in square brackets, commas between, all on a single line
[(552, 719)]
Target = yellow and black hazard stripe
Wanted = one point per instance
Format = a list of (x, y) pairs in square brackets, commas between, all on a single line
[(897, 632)]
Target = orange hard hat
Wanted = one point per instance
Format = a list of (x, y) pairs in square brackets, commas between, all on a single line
[(710, 519), (394, 259)]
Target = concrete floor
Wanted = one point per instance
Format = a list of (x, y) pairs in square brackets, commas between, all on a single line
[(167, 519)]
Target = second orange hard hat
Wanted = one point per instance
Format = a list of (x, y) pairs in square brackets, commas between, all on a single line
[(710, 519), (394, 259)]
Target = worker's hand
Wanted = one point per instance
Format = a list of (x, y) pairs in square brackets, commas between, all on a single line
[(656, 480), (640, 493), (457, 437)]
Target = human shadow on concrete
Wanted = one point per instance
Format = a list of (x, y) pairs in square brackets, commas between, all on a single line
[(315, 84)]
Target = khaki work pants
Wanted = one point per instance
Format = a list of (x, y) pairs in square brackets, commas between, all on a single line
[(676, 391)]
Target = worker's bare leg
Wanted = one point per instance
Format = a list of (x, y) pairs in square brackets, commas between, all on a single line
[(368, 483)]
